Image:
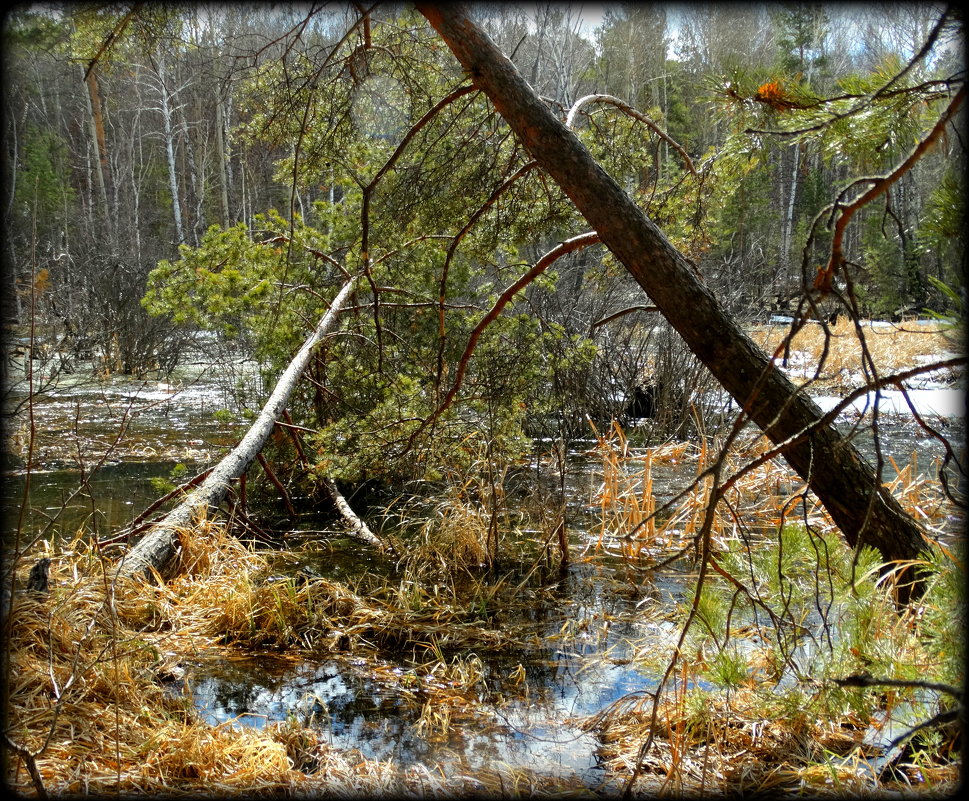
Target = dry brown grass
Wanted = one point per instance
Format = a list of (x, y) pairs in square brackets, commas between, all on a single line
[(728, 746), (455, 532), (627, 502), (629, 515), (732, 742), (760, 499), (891, 347), (91, 663), (92, 693)]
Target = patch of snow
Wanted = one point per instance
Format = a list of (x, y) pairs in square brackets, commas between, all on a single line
[(945, 402)]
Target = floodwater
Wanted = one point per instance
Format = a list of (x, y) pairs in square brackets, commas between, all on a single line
[(608, 605), (358, 705)]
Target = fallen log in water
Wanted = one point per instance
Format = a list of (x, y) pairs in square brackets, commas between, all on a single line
[(157, 549)]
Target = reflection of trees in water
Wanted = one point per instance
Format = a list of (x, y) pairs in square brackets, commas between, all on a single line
[(356, 711), (564, 675), (263, 687)]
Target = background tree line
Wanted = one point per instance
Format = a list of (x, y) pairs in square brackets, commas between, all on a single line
[(234, 162)]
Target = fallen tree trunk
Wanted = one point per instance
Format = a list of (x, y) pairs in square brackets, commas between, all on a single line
[(157, 549), (844, 482)]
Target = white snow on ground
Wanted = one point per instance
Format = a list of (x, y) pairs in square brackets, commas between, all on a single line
[(941, 402), (933, 394)]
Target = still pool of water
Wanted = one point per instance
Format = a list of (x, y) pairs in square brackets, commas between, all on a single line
[(375, 706)]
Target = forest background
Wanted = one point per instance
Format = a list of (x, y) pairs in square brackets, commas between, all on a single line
[(141, 148)]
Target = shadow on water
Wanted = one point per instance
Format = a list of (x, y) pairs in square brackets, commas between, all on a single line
[(109, 499)]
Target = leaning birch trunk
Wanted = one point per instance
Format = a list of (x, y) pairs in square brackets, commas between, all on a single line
[(842, 479), (157, 549)]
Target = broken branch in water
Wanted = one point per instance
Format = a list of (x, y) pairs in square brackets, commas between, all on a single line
[(157, 549)]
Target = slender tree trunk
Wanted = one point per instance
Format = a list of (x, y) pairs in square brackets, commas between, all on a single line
[(14, 165), (135, 169), (99, 142), (221, 151), (9, 270), (845, 483), (788, 231), (168, 130), (196, 189), (158, 548)]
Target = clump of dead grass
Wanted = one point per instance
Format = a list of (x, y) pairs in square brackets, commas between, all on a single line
[(455, 534), (836, 350), (89, 707), (92, 698), (716, 744), (761, 498), (627, 501), (749, 736), (737, 743)]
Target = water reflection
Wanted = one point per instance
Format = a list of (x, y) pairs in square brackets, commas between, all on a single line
[(108, 500), (585, 625), (355, 710), (578, 661)]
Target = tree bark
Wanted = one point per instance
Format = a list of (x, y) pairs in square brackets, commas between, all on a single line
[(157, 549), (845, 483), (102, 170), (221, 153), (166, 103)]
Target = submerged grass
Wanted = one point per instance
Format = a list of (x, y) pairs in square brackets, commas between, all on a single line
[(754, 703)]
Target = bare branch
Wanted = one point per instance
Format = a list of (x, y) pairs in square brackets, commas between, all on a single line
[(629, 111), (563, 248)]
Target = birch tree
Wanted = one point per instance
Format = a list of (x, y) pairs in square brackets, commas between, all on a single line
[(156, 551)]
